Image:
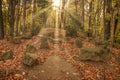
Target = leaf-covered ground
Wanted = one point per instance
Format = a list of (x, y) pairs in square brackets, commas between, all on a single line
[(88, 70)]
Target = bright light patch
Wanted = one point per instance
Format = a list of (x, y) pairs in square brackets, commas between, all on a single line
[(56, 4)]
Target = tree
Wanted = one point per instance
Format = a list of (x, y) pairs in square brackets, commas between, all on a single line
[(33, 13), (11, 16), (1, 22), (24, 16), (82, 14), (107, 21), (17, 17)]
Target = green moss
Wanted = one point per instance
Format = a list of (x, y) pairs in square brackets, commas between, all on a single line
[(30, 48), (29, 59), (7, 55)]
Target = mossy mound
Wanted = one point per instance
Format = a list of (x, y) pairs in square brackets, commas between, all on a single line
[(93, 54), (30, 48), (30, 59), (7, 55)]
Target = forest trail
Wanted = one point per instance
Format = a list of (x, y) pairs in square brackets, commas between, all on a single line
[(61, 65), (55, 68)]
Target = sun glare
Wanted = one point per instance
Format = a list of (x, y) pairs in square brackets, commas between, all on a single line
[(56, 4)]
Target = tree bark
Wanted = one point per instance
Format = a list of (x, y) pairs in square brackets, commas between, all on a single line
[(104, 20), (11, 17), (90, 20), (1, 22), (17, 18), (33, 13), (82, 14), (107, 22), (76, 7), (24, 16)]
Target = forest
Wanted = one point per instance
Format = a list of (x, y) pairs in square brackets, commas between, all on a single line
[(59, 39)]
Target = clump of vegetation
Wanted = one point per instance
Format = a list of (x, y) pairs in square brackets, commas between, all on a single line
[(101, 43), (35, 30), (17, 40), (93, 54), (44, 43), (116, 45), (30, 59), (117, 37), (50, 35), (7, 55), (118, 59), (2, 72), (71, 31), (6, 72), (78, 43), (30, 48), (26, 36)]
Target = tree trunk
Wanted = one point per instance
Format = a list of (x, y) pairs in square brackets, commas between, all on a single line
[(112, 27), (90, 20), (11, 17), (82, 14), (33, 13), (17, 18), (107, 23), (104, 20), (76, 7), (24, 16), (1, 22)]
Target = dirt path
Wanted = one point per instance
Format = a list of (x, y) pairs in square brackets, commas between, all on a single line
[(55, 68)]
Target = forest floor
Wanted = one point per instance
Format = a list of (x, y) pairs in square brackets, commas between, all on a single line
[(58, 65)]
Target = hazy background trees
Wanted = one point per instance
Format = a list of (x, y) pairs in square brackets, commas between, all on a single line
[(99, 19)]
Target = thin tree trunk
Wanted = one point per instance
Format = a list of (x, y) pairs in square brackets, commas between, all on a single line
[(24, 16), (17, 18), (82, 14), (90, 11), (112, 27), (107, 26), (1, 22), (104, 20), (76, 7), (33, 13), (11, 17)]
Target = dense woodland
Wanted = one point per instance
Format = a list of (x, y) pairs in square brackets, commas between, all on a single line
[(91, 23), (95, 17)]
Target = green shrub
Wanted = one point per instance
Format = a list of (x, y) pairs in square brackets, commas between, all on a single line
[(71, 31), (117, 37), (35, 30), (44, 43), (78, 43), (30, 48), (93, 54), (7, 55), (30, 59)]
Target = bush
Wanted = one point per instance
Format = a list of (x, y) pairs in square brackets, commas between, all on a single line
[(26, 36), (35, 30), (30, 48), (30, 59), (71, 31), (2, 72), (44, 43), (117, 37), (93, 54), (17, 40), (7, 55), (78, 43)]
